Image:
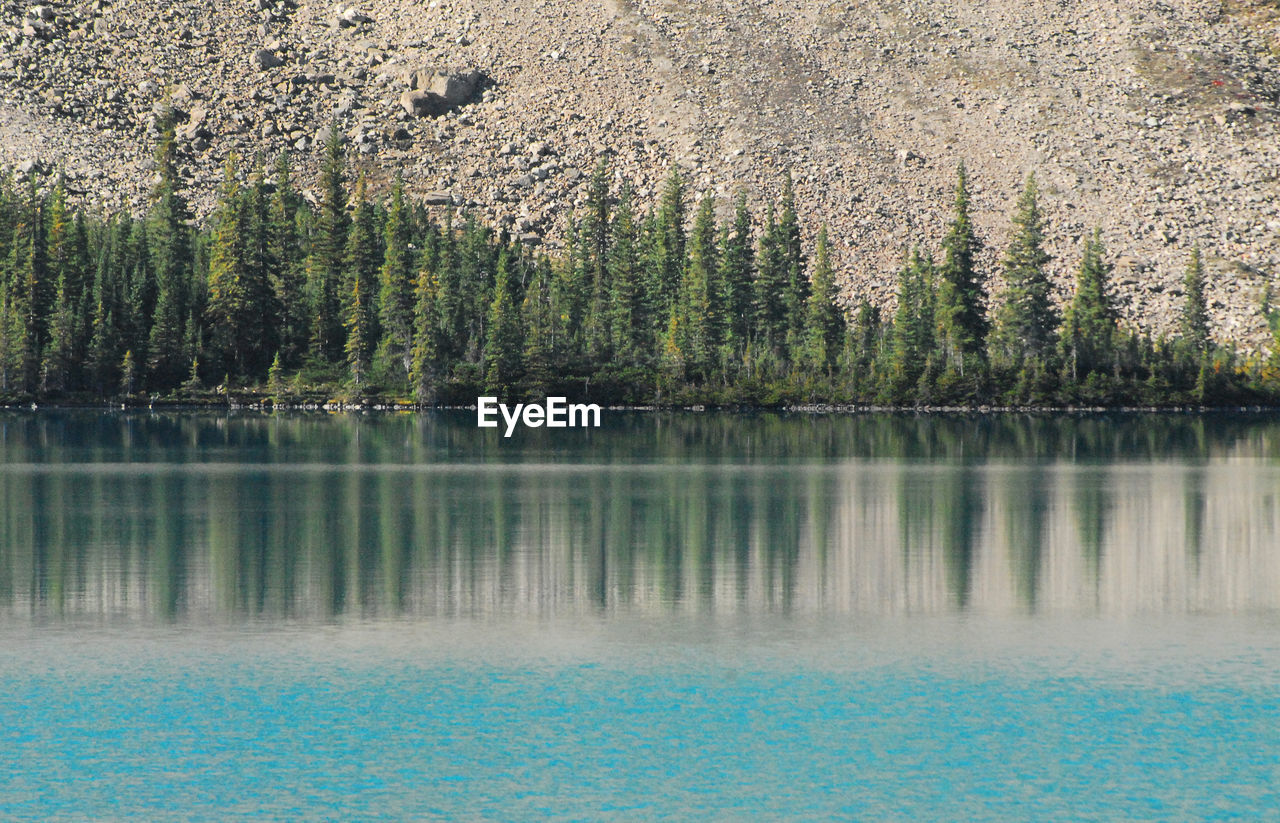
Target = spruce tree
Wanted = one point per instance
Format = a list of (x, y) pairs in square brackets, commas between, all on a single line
[(395, 303), (1089, 325), (666, 266), (1026, 320), (288, 255), (362, 261), (962, 323), (769, 291), (737, 273), (796, 285), (425, 372), (1194, 325), (698, 307), (328, 250), (169, 257), (505, 336), (913, 326), (627, 323), (824, 322)]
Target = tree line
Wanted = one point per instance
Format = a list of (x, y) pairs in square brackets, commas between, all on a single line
[(360, 296)]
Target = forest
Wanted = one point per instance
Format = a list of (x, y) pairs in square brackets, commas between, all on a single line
[(357, 298)]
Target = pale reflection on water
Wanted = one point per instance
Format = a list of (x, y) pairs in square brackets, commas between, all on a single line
[(191, 517)]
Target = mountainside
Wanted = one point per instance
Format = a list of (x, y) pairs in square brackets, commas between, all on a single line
[(1157, 121)]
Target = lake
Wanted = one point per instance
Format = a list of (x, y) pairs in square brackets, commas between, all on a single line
[(766, 616)]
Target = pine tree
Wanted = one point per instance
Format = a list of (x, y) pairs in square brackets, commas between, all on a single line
[(796, 284), (362, 262), (288, 263), (737, 272), (627, 322), (1194, 325), (540, 323), (824, 324), (667, 251), (505, 336), (396, 297), (594, 233), (424, 375), (328, 249), (1089, 325), (962, 323), (698, 307), (169, 256), (913, 325), (769, 291), (1026, 320)]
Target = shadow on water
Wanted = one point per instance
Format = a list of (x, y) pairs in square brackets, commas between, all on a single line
[(176, 517)]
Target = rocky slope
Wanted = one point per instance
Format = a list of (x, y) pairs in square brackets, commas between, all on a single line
[(1157, 120)]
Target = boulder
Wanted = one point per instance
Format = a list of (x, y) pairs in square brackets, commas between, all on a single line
[(423, 103), (266, 59), (455, 87)]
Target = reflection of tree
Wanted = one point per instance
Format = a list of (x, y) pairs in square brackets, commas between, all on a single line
[(318, 516)]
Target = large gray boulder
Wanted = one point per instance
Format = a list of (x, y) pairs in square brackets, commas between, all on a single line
[(454, 87)]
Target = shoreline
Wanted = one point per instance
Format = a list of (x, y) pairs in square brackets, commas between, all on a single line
[(815, 409)]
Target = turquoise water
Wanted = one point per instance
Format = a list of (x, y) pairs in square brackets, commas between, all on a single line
[(675, 617)]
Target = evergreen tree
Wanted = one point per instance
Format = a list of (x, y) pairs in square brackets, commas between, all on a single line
[(1026, 320), (962, 324), (769, 293), (540, 323), (796, 285), (328, 250), (737, 273), (505, 337), (396, 298), (169, 256), (594, 233), (913, 339), (425, 373), (698, 308), (627, 322), (363, 260), (824, 323), (1194, 325), (666, 263), (286, 234), (239, 310), (1089, 325)]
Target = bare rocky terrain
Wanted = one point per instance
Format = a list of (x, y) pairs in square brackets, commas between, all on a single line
[(1157, 121)]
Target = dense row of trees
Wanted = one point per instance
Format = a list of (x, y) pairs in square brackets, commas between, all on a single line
[(354, 295)]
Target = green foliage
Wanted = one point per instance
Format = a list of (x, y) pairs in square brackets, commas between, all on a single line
[(640, 308)]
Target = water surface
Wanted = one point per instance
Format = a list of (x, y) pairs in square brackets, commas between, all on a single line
[(763, 616)]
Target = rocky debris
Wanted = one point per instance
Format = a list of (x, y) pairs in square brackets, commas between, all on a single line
[(1158, 122)]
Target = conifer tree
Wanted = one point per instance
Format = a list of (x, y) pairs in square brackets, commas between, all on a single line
[(962, 324), (1026, 320), (540, 324), (1089, 325), (698, 308), (328, 250), (796, 284), (824, 323), (288, 263), (666, 266), (505, 336), (627, 323), (737, 273), (594, 248), (1194, 324), (397, 281), (769, 292), (169, 257), (913, 339), (425, 373), (363, 260)]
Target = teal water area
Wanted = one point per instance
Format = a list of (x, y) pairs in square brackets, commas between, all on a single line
[(674, 617)]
